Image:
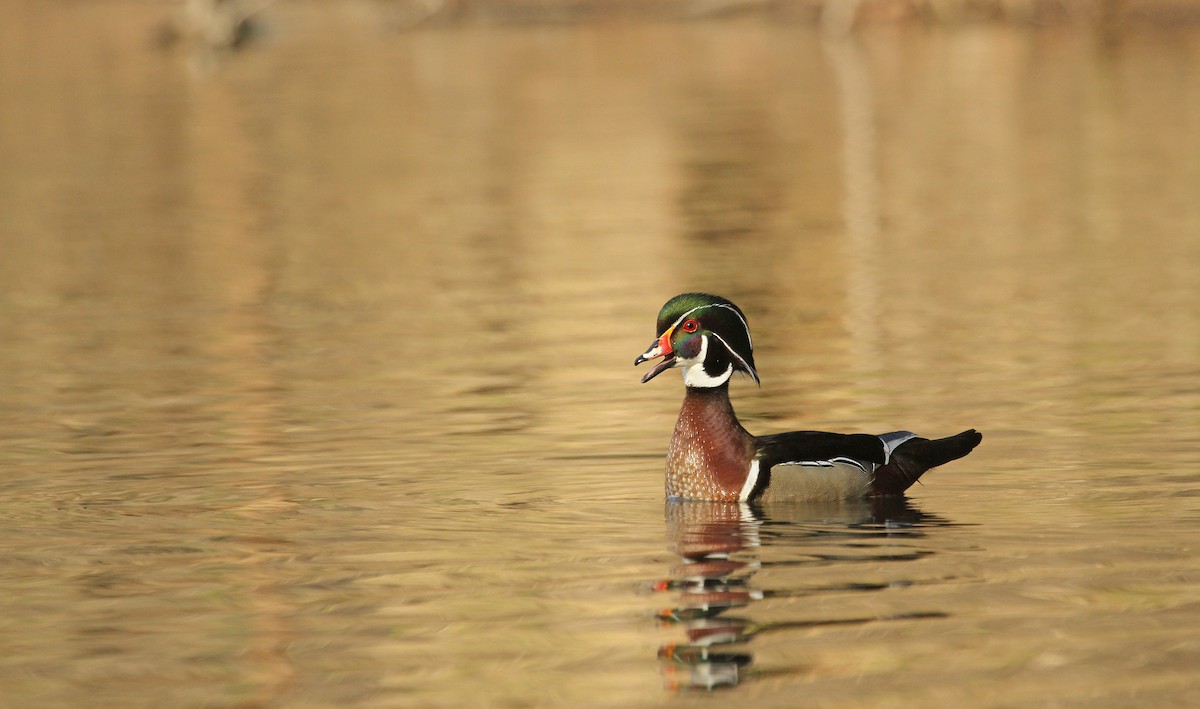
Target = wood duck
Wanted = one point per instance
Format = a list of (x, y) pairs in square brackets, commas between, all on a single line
[(712, 457)]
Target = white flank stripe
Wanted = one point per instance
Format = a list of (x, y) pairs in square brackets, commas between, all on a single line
[(751, 481), (865, 467)]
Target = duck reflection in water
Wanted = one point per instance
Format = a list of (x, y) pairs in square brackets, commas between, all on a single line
[(721, 547)]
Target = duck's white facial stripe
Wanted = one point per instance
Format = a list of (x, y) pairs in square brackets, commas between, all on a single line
[(716, 305), (693, 369), (733, 352)]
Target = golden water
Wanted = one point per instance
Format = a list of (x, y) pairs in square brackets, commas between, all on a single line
[(316, 383)]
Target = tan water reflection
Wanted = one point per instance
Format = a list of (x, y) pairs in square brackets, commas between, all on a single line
[(721, 546), (315, 383)]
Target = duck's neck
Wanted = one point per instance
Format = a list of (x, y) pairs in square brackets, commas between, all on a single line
[(710, 453)]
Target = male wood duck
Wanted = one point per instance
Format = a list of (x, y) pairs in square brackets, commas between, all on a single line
[(713, 458)]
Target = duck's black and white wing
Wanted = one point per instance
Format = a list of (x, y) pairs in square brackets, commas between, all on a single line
[(802, 465)]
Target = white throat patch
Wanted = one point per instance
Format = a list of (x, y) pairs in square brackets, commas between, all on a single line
[(693, 370)]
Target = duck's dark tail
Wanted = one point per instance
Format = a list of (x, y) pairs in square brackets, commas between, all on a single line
[(912, 458)]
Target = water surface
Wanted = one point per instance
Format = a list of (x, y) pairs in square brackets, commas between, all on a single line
[(315, 385)]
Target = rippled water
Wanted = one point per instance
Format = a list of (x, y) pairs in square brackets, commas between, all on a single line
[(315, 385)]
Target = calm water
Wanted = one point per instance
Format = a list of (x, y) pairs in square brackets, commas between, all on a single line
[(316, 383)]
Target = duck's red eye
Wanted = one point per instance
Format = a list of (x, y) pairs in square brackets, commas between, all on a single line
[(690, 326)]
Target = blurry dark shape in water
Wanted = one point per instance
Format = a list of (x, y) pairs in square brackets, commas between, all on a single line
[(406, 14), (212, 27), (837, 17), (717, 543)]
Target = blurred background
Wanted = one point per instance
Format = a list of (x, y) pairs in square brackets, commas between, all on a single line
[(317, 320)]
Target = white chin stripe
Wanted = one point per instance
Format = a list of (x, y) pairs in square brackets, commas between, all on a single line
[(693, 370), (733, 352), (695, 376)]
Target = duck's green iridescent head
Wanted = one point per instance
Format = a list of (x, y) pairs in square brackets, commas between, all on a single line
[(706, 335)]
